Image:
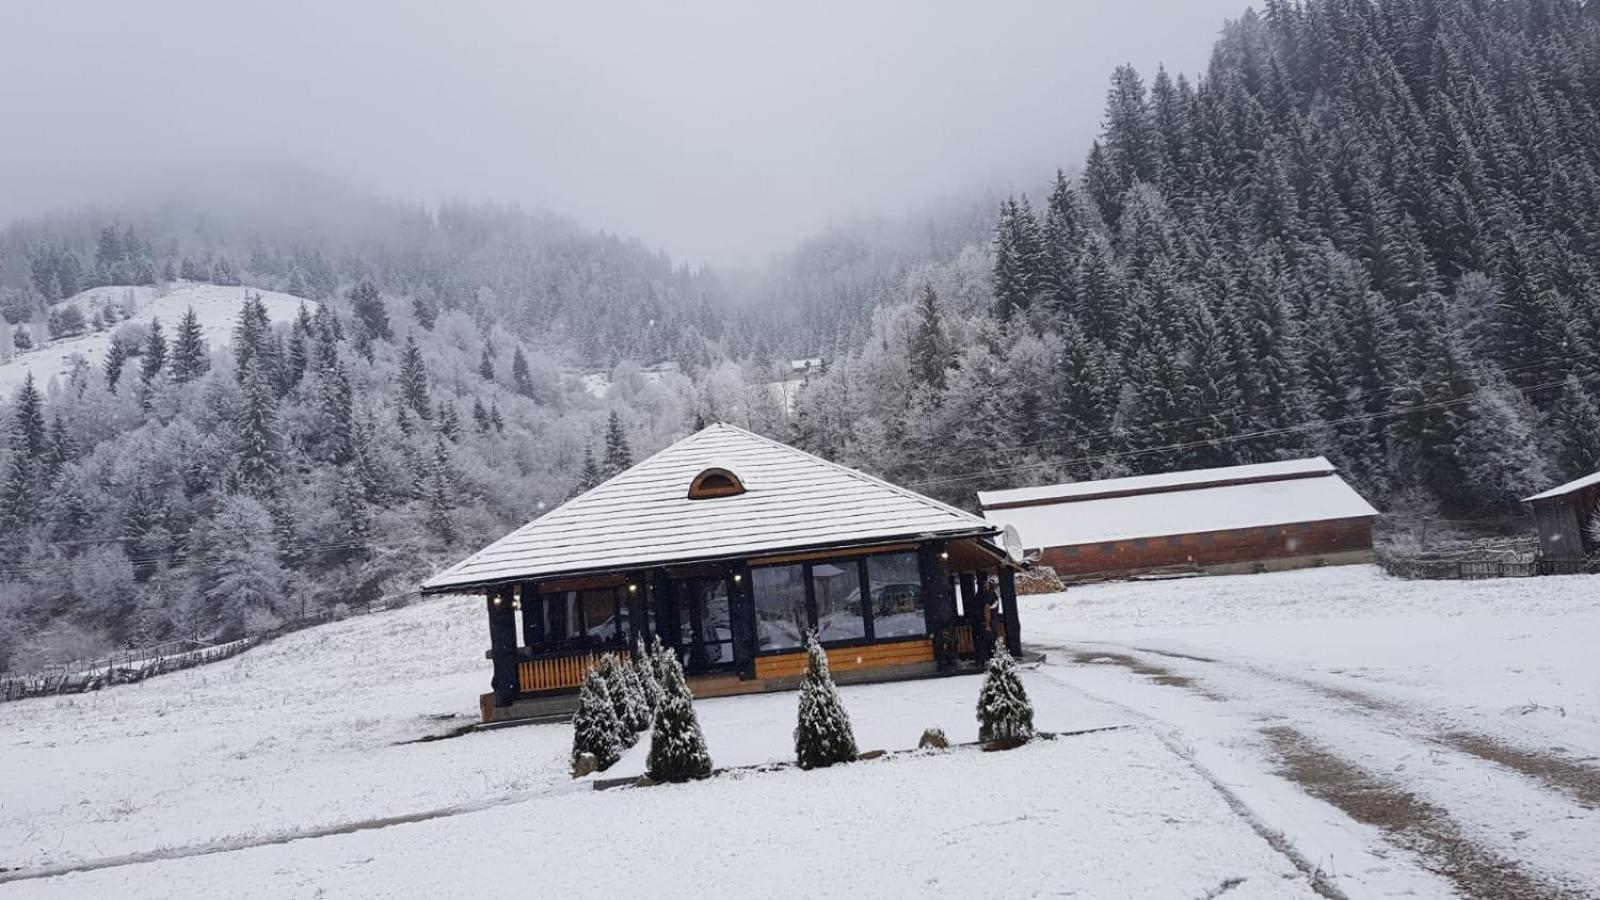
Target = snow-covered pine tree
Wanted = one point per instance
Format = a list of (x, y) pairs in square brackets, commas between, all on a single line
[(1005, 716), (189, 360), (619, 455), (155, 353), (595, 728), (644, 668), (632, 717), (677, 748), (116, 357), (414, 379), (521, 381), (822, 733)]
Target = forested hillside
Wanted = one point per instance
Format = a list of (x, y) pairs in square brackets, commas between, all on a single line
[(1371, 230)]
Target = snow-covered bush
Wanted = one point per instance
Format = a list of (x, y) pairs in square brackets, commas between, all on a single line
[(822, 735), (677, 748), (644, 668), (1005, 716), (595, 728), (626, 696)]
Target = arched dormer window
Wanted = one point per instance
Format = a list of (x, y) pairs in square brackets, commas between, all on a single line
[(715, 482)]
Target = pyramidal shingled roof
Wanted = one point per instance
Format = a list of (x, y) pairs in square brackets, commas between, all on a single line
[(644, 517)]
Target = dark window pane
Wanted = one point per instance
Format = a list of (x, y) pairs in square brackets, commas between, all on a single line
[(704, 624), (895, 582), (838, 590), (600, 619), (780, 593)]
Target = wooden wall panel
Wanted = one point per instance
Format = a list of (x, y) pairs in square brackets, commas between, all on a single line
[(1211, 548)]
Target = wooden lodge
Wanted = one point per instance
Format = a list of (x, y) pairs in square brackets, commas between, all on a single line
[(730, 547), (1564, 515), (1237, 519)]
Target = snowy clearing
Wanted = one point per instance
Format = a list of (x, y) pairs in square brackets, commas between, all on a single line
[(1255, 702), (1472, 709), (216, 307)]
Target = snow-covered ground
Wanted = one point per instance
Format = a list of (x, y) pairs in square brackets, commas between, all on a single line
[(215, 306), (315, 732), (1471, 708)]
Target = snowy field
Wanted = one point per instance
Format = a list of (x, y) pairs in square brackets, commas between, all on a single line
[(215, 306), (1241, 696)]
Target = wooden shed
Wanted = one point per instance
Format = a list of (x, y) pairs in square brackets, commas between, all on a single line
[(729, 547), (1237, 519), (1564, 515)]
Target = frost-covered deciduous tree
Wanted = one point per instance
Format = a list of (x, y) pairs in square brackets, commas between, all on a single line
[(595, 727), (1005, 715), (822, 732), (677, 746)]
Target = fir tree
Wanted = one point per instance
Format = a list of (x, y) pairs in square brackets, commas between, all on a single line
[(496, 421), (258, 450), (632, 714), (440, 482), (371, 314), (822, 733), (1005, 716), (424, 313), (116, 358), (1576, 427), (155, 353), (677, 748), (189, 360), (643, 663), (414, 380), (521, 381), (595, 727), (486, 365), (480, 416), (929, 349), (619, 456), (589, 474)]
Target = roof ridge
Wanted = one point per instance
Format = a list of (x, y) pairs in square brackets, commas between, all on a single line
[(857, 473)]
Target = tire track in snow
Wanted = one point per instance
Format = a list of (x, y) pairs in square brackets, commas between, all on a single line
[(1426, 830)]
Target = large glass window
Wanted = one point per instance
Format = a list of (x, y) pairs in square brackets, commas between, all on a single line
[(895, 586), (841, 615), (602, 618), (591, 616), (705, 629), (780, 596)]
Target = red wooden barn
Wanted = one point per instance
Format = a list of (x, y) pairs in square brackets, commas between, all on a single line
[(1237, 519)]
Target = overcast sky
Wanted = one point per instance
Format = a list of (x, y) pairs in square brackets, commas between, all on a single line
[(715, 130)]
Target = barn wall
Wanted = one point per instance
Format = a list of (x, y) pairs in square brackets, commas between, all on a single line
[(1212, 548)]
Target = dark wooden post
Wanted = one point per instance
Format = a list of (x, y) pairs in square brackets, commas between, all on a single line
[(1008, 600), (503, 646), (667, 627), (532, 615), (982, 631), (972, 609), (742, 613), (938, 602)]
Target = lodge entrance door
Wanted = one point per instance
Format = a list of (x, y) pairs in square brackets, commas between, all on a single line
[(705, 637)]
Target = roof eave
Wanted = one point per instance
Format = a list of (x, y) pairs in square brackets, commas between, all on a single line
[(466, 587)]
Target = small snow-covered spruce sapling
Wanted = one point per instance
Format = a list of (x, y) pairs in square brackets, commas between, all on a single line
[(595, 728), (645, 668), (822, 736), (636, 717), (677, 748), (1005, 717), (625, 698)]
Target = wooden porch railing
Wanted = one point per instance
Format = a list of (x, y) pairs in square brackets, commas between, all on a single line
[(556, 673)]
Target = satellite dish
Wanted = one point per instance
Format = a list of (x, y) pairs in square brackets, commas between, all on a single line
[(1013, 544)]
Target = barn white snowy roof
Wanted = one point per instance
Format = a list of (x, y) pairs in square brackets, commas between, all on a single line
[(1164, 481), (644, 516), (1158, 506), (1569, 487)]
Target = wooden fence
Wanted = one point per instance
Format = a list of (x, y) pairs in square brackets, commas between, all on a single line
[(137, 664), (1474, 569)]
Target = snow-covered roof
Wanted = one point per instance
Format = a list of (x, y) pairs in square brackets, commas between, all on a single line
[(1162, 482), (1568, 488), (792, 500), (1124, 515)]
